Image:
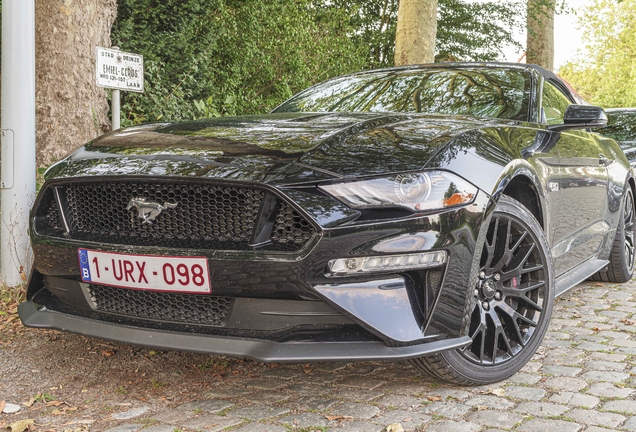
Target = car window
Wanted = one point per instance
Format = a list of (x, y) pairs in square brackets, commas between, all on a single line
[(500, 93), (621, 126), (554, 103)]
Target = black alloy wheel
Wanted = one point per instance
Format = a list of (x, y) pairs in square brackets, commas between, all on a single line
[(509, 304), (621, 266), (628, 231), (510, 293)]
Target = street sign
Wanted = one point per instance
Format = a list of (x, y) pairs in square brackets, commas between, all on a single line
[(120, 70)]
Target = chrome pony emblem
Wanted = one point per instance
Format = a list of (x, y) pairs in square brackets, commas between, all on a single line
[(148, 211)]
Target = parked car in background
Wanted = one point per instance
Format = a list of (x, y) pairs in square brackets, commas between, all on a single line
[(621, 126), (428, 213)]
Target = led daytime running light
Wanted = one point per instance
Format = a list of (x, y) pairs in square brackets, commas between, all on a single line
[(357, 265)]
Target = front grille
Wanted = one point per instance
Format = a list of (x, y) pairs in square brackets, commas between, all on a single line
[(185, 215), (183, 308)]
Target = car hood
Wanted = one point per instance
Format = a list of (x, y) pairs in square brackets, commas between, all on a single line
[(275, 148)]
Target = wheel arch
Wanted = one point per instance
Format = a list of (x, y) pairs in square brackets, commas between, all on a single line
[(520, 181), (522, 189)]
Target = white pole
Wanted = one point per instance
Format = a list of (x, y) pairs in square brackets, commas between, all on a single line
[(17, 159), (116, 110)]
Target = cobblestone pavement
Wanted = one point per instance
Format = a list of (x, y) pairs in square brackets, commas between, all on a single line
[(582, 378)]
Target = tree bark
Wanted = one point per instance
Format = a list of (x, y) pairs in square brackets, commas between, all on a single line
[(540, 41), (70, 108), (416, 31)]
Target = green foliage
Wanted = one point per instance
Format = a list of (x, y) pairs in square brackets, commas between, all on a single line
[(466, 31), (477, 31), (208, 58), (606, 73), (231, 57)]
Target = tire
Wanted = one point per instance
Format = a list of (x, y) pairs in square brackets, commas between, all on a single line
[(509, 305), (621, 266)]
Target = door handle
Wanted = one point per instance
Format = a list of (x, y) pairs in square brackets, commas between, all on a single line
[(602, 160)]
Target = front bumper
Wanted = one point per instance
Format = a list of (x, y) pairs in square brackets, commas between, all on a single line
[(304, 313), (255, 349)]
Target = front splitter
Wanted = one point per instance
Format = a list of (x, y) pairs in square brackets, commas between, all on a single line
[(255, 349)]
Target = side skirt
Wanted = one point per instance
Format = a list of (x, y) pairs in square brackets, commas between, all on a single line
[(578, 274)]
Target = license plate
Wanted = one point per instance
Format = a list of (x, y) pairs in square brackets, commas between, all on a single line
[(188, 275)]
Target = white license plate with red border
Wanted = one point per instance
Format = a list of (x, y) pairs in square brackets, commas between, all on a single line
[(188, 275)]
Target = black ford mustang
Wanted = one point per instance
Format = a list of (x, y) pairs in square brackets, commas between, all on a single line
[(428, 213)]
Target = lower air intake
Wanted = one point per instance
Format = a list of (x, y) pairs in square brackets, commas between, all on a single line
[(174, 307)]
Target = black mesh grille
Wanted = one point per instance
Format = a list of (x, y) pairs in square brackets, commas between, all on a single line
[(175, 215), (192, 215), (291, 227), (52, 218), (184, 308)]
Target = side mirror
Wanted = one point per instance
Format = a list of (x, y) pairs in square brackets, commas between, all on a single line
[(581, 117)]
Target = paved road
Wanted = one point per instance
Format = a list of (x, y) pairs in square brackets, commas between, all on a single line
[(582, 378)]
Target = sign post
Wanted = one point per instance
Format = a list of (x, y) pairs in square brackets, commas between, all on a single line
[(18, 138), (119, 70), (115, 100)]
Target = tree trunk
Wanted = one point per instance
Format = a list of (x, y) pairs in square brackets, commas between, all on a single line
[(540, 42), (70, 108), (416, 31)]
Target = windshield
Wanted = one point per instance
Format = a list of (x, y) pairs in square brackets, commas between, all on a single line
[(482, 92)]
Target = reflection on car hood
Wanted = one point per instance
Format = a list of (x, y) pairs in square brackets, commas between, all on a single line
[(273, 148)]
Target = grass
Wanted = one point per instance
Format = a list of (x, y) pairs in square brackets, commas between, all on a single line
[(147, 422), (308, 429), (157, 384), (11, 297), (209, 364), (43, 397)]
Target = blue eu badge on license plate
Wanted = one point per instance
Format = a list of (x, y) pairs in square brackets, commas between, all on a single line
[(85, 270)]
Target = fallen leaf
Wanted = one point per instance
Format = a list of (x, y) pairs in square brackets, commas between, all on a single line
[(57, 412), (598, 284), (434, 398), (21, 425), (307, 368), (108, 353), (481, 408), (54, 403), (71, 409), (497, 392), (338, 418), (29, 403), (395, 427), (596, 329), (2, 404), (408, 419), (626, 321)]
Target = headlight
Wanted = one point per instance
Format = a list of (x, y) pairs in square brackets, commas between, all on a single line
[(417, 191)]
